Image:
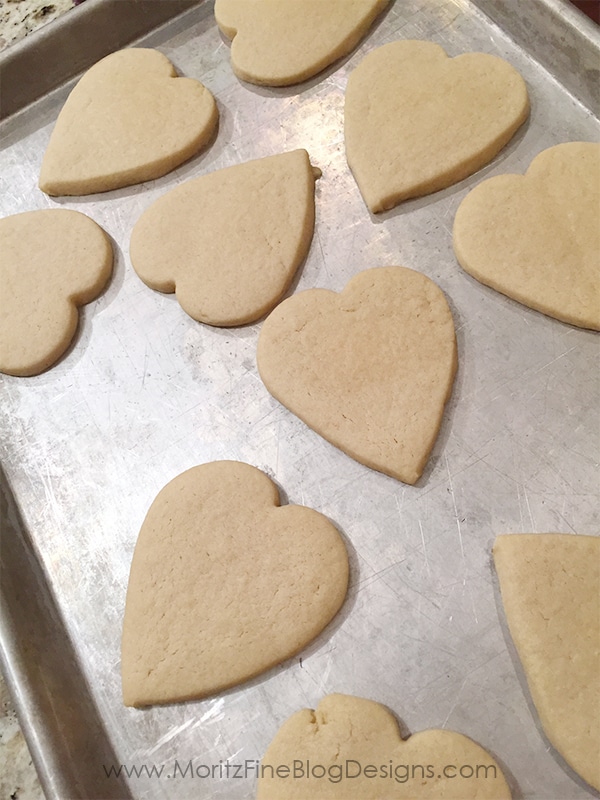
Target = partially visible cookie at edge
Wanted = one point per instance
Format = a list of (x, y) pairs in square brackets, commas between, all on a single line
[(550, 587), (53, 260), (536, 237), (280, 43), (349, 747)]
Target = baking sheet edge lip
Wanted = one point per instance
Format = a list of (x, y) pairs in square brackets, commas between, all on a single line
[(568, 14), (57, 29), (31, 698), (566, 17)]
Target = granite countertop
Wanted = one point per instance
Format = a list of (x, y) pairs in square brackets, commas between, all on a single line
[(20, 17), (18, 778)]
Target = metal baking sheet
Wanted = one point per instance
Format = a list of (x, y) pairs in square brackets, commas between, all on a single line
[(145, 392), (54, 54)]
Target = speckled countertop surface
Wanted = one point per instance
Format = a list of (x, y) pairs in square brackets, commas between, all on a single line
[(20, 17), (18, 778)]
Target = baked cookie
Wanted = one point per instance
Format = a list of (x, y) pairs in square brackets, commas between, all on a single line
[(550, 585), (129, 119), (53, 261), (369, 369), (352, 748), (277, 42), (417, 121), (224, 584), (229, 243), (536, 237)]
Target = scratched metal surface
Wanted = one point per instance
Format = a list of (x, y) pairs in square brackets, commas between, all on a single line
[(145, 393)]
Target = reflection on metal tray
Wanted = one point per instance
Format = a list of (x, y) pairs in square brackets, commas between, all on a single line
[(145, 392)]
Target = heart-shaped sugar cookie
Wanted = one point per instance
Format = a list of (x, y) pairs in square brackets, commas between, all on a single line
[(351, 748), (229, 242), (278, 43), (536, 237), (53, 261), (129, 119), (224, 584), (369, 369), (417, 121), (550, 586)]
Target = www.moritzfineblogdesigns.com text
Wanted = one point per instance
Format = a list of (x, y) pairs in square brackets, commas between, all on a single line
[(300, 769)]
